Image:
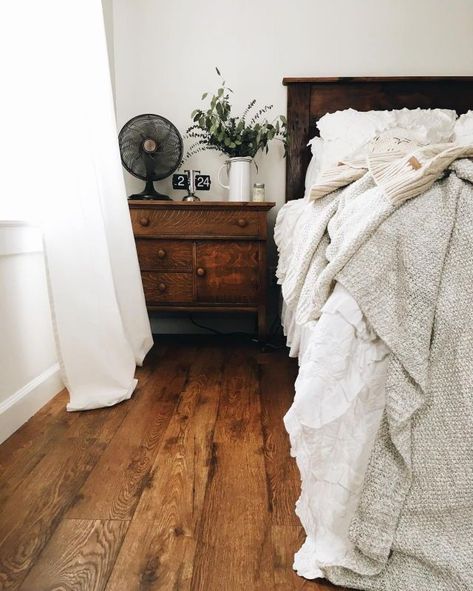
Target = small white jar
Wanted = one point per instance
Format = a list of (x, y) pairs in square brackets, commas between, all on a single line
[(258, 192)]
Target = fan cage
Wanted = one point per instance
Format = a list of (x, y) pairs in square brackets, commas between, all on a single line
[(155, 166)]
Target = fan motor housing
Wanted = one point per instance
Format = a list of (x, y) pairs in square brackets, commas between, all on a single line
[(150, 145)]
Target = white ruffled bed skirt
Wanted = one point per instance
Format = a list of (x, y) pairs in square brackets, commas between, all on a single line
[(332, 423)]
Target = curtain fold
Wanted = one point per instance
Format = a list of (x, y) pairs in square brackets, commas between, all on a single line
[(67, 142)]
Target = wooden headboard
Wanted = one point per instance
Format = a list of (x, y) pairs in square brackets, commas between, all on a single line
[(308, 99)]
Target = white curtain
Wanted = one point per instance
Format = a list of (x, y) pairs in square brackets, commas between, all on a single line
[(61, 169)]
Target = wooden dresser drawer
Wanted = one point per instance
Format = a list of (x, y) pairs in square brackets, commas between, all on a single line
[(197, 222), (164, 254), (167, 287)]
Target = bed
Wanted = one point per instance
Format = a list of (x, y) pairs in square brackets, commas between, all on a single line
[(308, 99), (361, 413)]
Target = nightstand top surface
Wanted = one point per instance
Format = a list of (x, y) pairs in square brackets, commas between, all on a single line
[(254, 205)]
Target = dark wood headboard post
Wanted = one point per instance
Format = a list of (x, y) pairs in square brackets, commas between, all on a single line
[(309, 99), (298, 154)]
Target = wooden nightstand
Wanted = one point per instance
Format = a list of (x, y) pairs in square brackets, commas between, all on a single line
[(203, 256)]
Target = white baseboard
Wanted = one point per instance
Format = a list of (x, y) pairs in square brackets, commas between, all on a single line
[(25, 402), (19, 238)]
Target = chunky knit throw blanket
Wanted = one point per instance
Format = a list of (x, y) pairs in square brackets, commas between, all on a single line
[(410, 268), (401, 175)]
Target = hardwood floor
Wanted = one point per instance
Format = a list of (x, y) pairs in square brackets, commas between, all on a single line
[(187, 486)]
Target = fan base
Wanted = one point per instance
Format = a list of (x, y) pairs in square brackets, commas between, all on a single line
[(149, 192), (154, 197)]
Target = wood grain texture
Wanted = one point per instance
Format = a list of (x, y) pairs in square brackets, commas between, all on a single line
[(158, 551), (20, 453), (187, 486), (222, 222), (283, 538), (234, 546), (79, 557), (311, 98), (164, 254), (203, 256), (298, 134), (29, 517), (239, 415), (114, 488), (167, 287), (234, 550), (287, 81), (277, 393), (201, 205), (228, 266), (425, 93)]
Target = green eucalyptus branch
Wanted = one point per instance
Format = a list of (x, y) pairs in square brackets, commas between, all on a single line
[(216, 128)]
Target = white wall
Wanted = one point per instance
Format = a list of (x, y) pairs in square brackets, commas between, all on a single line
[(29, 372), (165, 53)]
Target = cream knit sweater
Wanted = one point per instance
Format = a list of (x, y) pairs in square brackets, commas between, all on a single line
[(400, 175)]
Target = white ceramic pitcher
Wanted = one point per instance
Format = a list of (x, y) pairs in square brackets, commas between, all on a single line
[(239, 178)]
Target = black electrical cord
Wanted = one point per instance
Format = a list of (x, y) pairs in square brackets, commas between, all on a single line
[(274, 329)]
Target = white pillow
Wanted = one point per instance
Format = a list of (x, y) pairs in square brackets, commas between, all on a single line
[(351, 123), (337, 150), (317, 148), (463, 133), (436, 124), (349, 134), (432, 126), (326, 154)]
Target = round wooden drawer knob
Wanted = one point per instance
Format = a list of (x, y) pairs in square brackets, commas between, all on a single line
[(161, 253), (200, 272), (242, 223), (162, 287), (144, 221)]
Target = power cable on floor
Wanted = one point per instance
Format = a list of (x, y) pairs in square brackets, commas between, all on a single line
[(273, 333)]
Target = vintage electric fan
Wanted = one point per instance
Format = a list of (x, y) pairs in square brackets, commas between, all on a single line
[(151, 149)]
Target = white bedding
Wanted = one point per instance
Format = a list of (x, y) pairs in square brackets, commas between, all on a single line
[(347, 134), (337, 409), (339, 392), (332, 423)]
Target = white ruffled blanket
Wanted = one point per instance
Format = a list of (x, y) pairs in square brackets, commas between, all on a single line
[(338, 404), (332, 425), (409, 269)]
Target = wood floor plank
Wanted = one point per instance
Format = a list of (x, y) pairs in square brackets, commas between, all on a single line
[(206, 481), (29, 433), (239, 417), (79, 557), (234, 546), (286, 540), (113, 489), (158, 550), (277, 393), (22, 451), (30, 516), (322, 585)]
